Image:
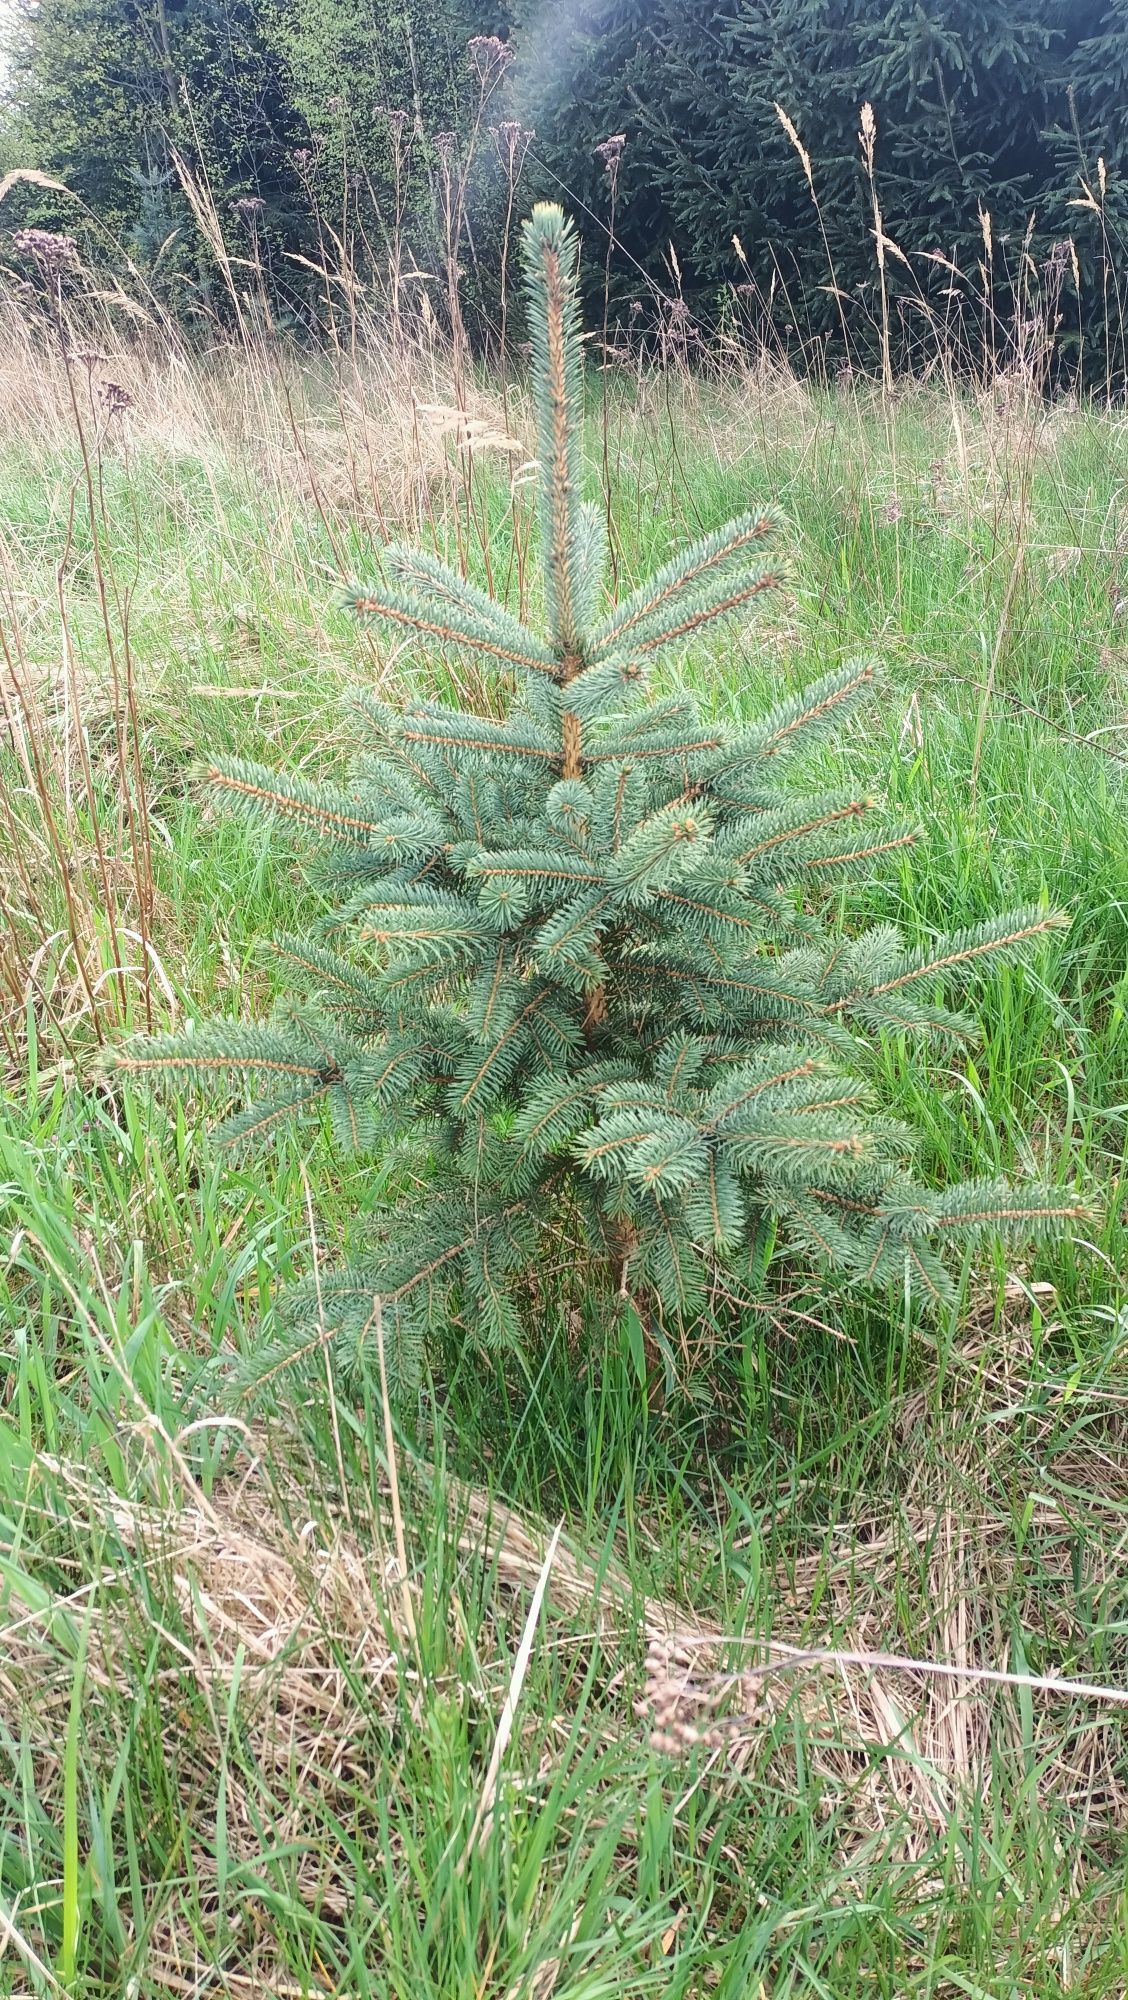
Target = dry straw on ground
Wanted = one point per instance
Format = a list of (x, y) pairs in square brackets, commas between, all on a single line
[(306, 1630)]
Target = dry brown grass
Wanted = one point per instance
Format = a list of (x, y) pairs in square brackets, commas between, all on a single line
[(948, 1577), (303, 1633), (379, 433), (146, 465)]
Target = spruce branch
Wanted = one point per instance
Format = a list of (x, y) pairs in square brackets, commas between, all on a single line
[(460, 628), (673, 746), (752, 843), (658, 602), (527, 865), (551, 261), (232, 1048), (600, 692), (321, 809), (690, 616), (339, 982), (1008, 937), (460, 737), (796, 724), (260, 1121)]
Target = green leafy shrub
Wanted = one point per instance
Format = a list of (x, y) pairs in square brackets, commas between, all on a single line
[(576, 958)]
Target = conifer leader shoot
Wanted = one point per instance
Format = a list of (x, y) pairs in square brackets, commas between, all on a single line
[(577, 959)]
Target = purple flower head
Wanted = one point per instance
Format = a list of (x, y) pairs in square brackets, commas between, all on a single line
[(115, 399), (489, 56), (54, 254), (512, 140)]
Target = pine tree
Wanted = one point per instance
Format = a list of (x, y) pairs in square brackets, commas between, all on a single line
[(575, 959)]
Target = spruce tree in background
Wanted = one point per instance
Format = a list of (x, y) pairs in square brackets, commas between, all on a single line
[(578, 961), (967, 96), (1091, 118), (329, 106)]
